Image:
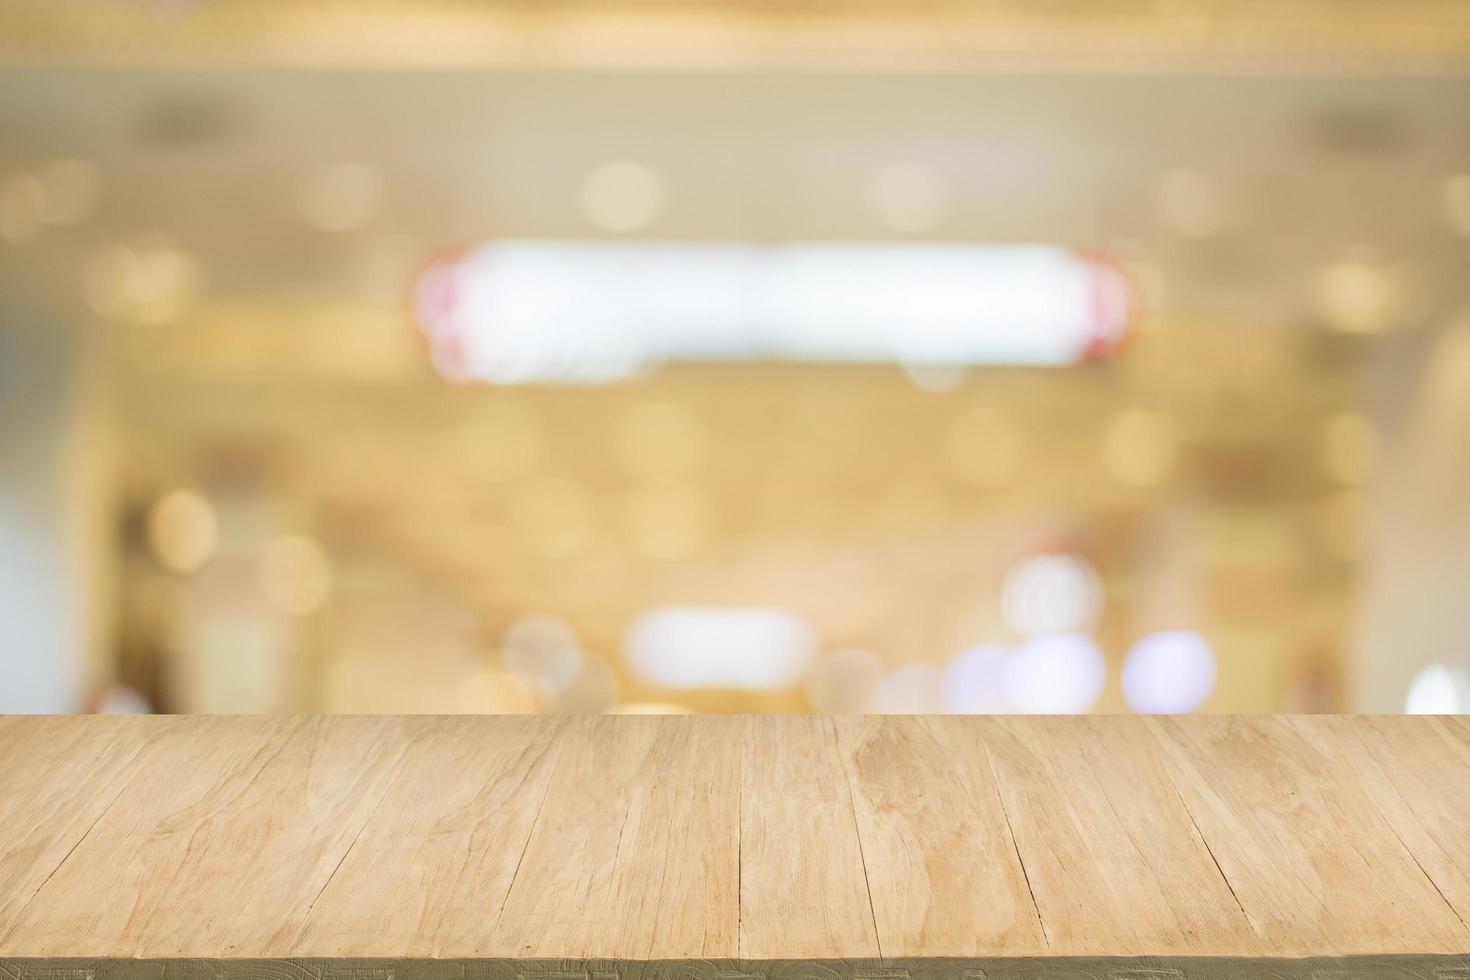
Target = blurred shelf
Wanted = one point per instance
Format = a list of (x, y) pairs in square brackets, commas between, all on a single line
[(712, 848)]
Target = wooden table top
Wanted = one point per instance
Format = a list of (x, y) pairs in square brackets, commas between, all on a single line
[(731, 847)]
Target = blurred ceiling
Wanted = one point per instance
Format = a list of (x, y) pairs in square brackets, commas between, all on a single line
[(1304, 172)]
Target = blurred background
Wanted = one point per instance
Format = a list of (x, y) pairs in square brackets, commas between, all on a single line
[(735, 355)]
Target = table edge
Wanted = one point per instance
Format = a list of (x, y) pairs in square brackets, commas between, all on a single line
[(1393, 966)]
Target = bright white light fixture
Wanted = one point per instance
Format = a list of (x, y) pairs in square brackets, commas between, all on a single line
[(1059, 674), (1169, 673), (1439, 690), (684, 648), (526, 311)]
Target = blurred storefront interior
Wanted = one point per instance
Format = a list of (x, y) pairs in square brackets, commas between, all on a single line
[(240, 471)]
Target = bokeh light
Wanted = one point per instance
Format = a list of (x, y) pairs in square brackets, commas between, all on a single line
[(544, 654), (151, 281), (71, 188), (720, 649), (974, 683), (1051, 593), (1061, 673), (346, 196), (622, 196), (296, 575), (1191, 202), (1139, 447), (1439, 689), (1454, 203), (182, 530), (666, 522), (843, 682), (494, 692), (595, 689), (1169, 673), (913, 689), (1356, 297), (650, 708), (936, 377), (906, 198), (119, 699)]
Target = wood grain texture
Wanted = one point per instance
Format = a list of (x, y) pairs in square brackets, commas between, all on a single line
[(625, 861), (1114, 862), (1404, 765), (722, 848), (57, 777), (1305, 844), (942, 867), (218, 843), (803, 886), (436, 863)]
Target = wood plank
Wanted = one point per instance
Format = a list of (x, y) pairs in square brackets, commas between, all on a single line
[(803, 888), (59, 776), (940, 862), (1306, 850), (1114, 862), (635, 852), (218, 844), (773, 848), (433, 866), (1406, 766)]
